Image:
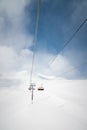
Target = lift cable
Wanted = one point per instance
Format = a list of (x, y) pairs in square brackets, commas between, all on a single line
[(69, 40), (34, 41)]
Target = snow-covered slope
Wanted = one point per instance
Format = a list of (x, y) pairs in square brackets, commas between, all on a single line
[(61, 106)]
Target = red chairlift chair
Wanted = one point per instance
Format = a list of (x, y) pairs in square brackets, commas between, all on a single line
[(40, 89)]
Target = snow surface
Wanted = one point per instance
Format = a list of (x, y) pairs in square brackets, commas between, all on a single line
[(62, 106)]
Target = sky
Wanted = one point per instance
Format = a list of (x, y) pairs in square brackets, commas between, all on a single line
[(58, 20), (63, 103)]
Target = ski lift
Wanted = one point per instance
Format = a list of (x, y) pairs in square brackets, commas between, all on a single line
[(40, 88), (32, 86)]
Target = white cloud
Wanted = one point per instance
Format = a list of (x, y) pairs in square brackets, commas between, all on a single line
[(17, 65), (11, 60), (8, 58), (13, 8), (61, 66), (17, 40), (13, 41), (12, 24), (14, 67)]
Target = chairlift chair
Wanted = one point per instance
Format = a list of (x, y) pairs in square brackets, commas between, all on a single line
[(40, 89)]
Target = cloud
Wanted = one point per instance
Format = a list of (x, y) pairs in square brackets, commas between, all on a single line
[(8, 58), (12, 9), (14, 66), (47, 77), (15, 43), (11, 60), (17, 40), (12, 6), (61, 66), (12, 24), (15, 58), (9, 83)]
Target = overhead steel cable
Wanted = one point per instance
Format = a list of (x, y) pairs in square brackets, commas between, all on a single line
[(34, 41), (69, 40)]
